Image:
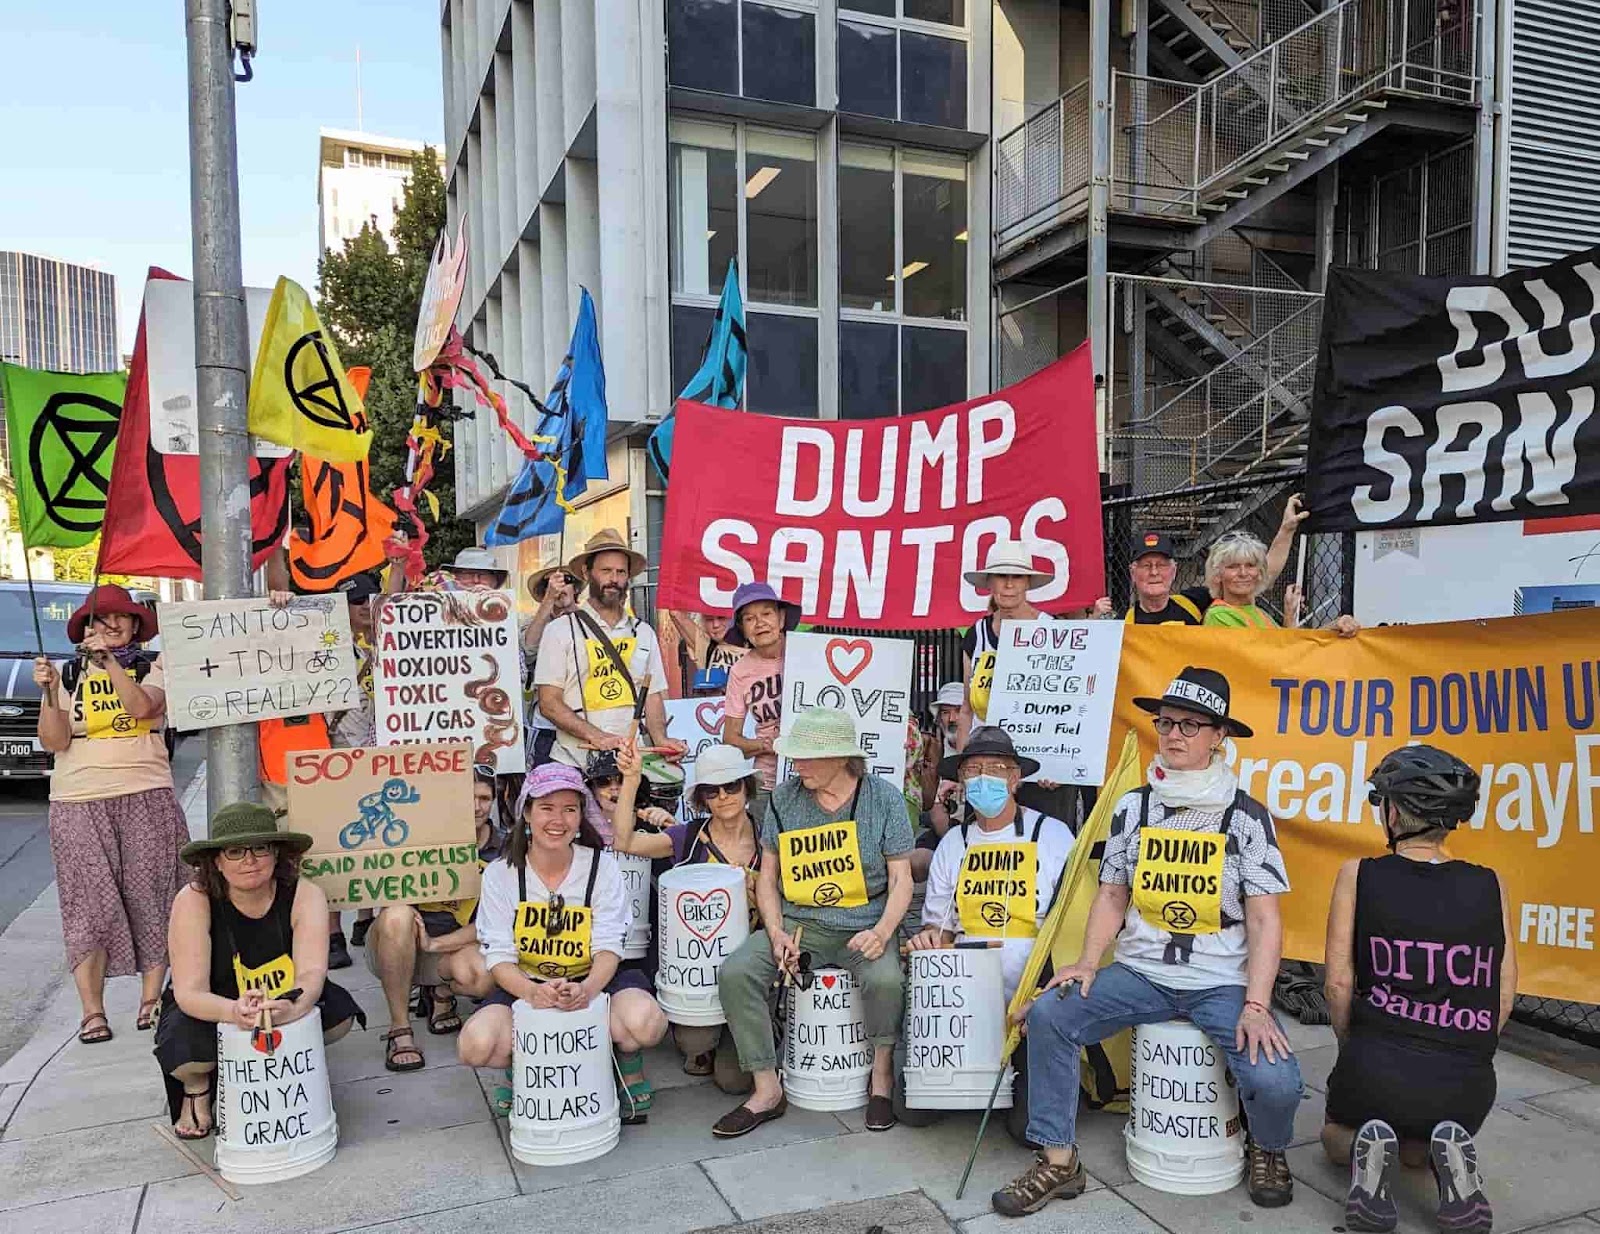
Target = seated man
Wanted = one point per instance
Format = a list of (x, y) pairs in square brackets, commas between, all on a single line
[(1005, 843), (434, 946), (1416, 1037)]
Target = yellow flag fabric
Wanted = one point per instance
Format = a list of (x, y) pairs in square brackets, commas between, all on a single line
[(300, 395)]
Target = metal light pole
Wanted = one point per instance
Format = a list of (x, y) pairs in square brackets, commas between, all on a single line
[(222, 360)]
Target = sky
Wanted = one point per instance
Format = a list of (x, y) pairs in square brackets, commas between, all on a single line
[(95, 146)]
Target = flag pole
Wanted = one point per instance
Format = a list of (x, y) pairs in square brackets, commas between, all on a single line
[(33, 600)]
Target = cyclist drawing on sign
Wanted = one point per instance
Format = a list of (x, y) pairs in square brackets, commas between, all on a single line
[(377, 811)]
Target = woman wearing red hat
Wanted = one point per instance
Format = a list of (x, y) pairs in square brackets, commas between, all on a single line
[(115, 825)]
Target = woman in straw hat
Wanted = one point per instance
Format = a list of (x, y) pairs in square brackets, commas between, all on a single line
[(248, 935), (115, 824), (1008, 575)]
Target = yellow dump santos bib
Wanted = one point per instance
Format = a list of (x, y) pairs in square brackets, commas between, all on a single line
[(997, 891), (1178, 886), (274, 979), (604, 686), (822, 866), (982, 682), (567, 953), (102, 711)]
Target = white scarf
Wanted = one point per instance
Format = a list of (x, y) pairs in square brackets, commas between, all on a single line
[(1212, 788)]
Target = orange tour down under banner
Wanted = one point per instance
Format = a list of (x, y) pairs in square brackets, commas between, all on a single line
[(1517, 698)]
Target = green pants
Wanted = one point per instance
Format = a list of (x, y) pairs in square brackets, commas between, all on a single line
[(745, 983)]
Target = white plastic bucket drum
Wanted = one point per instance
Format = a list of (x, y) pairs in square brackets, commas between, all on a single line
[(274, 1113), (563, 1094), (636, 888), (704, 916), (1183, 1134), (827, 1059), (955, 1030)]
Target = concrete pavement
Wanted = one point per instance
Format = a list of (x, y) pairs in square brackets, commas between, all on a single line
[(422, 1153)]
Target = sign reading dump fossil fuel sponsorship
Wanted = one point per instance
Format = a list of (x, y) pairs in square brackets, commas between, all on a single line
[(1518, 698), (874, 522), (1054, 686), (447, 669)]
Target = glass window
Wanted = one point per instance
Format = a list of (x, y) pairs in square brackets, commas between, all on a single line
[(703, 45), (780, 55), (691, 327), (946, 12), (781, 377), (934, 247), (868, 367), (866, 228), (780, 191), (702, 165), (933, 80), (933, 368), (883, 8), (867, 80)]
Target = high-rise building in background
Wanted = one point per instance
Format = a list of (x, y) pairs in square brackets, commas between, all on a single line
[(360, 179)]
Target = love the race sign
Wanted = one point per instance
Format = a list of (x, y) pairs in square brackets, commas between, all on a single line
[(868, 678), (873, 523), (389, 824)]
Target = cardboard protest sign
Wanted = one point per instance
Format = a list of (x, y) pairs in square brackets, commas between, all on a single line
[(869, 678), (239, 661), (1055, 686), (391, 825), (447, 669)]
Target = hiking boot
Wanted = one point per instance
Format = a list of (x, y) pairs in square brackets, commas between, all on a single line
[(1038, 1185), (1453, 1157), (1370, 1204), (1267, 1177), (338, 951)]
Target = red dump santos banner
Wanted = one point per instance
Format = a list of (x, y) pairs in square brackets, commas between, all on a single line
[(873, 523)]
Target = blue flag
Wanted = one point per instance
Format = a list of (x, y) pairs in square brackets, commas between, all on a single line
[(720, 378), (575, 415)]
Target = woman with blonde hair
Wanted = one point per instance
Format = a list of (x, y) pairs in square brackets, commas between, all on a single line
[(1237, 573)]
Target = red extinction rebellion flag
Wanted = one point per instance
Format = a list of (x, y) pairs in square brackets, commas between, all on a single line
[(1456, 400)]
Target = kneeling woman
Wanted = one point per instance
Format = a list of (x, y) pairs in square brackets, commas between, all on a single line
[(1416, 1038), (552, 917), (246, 935)]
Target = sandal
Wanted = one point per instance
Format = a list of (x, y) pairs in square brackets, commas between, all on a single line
[(147, 1015), (500, 1098), (94, 1036), (442, 1017), (634, 1093), (199, 1132), (393, 1048)]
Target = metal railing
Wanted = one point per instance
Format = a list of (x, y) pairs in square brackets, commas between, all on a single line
[(1176, 144), (1041, 168)]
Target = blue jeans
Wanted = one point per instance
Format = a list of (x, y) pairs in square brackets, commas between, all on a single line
[(1058, 1028)]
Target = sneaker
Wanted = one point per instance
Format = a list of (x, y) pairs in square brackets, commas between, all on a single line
[(1370, 1204), (358, 935), (1463, 1208), (338, 952), (1267, 1178), (1038, 1185)]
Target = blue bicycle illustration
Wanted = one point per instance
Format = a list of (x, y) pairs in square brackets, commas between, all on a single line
[(377, 812)]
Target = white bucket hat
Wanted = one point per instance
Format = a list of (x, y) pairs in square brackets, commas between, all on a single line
[(951, 694), (720, 764), (477, 559), (822, 732), (1014, 557)]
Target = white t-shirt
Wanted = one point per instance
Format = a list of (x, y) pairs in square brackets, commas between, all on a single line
[(939, 907), (497, 904), (570, 659)]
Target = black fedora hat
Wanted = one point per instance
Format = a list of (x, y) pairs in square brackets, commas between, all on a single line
[(1203, 691), (989, 739)]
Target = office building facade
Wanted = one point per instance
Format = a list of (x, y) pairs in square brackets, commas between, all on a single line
[(360, 180)]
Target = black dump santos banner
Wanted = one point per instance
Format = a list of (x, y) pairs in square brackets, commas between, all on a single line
[(1455, 400)]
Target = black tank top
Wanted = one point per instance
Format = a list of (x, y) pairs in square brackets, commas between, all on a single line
[(255, 940), (1429, 940)]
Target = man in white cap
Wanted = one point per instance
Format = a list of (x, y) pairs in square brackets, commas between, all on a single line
[(599, 670)]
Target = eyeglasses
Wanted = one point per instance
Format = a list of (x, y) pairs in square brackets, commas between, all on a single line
[(238, 852), (555, 918), (977, 767), (1188, 728), (708, 791)]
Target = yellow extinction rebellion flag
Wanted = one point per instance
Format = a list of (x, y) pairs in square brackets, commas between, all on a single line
[(300, 395)]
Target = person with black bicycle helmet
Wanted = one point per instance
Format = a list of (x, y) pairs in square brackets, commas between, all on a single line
[(1421, 974)]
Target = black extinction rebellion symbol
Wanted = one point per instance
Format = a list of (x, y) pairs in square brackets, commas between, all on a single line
[(82, 427), (320, 399)]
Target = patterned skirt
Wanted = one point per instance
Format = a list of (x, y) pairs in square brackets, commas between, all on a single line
[(117, 872)]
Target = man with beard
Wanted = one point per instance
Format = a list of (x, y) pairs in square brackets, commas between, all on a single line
[(599, 668)]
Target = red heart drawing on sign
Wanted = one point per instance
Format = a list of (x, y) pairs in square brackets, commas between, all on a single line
[(848, 658), (709, 716), (703, 915), (266, 1043), (828, 979)]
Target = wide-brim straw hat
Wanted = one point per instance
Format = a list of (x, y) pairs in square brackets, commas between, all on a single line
[(822, 732), (1012, 557), (244, 822), (106, 599), (608, 540)]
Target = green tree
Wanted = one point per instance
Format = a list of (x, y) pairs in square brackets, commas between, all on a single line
[(369, 294)]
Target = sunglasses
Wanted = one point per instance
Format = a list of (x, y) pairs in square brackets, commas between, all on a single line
[(486, 770), (605, 782), (708, 791), (1188, 728), (238, 852), (555, 920)]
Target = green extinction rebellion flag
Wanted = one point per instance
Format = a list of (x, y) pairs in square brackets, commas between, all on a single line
[(62, 431)]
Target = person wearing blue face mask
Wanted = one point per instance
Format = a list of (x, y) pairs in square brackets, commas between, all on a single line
[(994, 875)]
